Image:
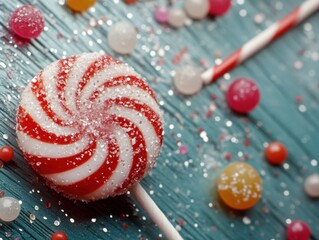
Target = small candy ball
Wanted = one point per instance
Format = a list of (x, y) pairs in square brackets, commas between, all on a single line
[(219, 7), (298, 230), (239, 186), (312, 185), (59, 235), (122, 37), (80, 5), (187, 80), (243, 95), (27, 22), (276, 153), (9, 209), (161, 14), (6, 154), (176, 17), (197, 9)]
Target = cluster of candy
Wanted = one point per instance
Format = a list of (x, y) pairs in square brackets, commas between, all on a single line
[(122, 36), (10, 210), (28, 22), (240, 186), (9, 206), (194, 9), (242, 96)]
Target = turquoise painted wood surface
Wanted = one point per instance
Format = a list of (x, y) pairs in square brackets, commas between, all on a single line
[(182, 185)]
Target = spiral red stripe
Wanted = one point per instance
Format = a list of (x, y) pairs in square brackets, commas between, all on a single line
[(39, 91), (27, 125), (148, 112), (99, 177), (139, 152), (122, 81), (94, 68), (43, 165), (65, 67)]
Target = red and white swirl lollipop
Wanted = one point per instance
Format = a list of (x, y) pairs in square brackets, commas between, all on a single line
[(91, 126)]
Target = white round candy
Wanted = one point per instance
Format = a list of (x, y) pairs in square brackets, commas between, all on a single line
[(197, 9), (9, 209), (176, 17), (122, 37), (312, 185), (187, 80)]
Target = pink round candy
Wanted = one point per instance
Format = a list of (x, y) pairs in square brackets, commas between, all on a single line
[(243, 95), (219, 7), (298, 230), (27, 22), (161, 14)]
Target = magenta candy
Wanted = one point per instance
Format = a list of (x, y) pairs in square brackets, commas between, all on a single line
[(161, 14), (27, 22), (243, 95), (219, 7), (298, 230)]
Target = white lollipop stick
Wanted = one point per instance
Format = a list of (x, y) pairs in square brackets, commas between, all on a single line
[(261, 40), (154, 212)]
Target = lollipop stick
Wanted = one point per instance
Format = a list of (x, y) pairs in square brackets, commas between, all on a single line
[(261, 40), (154, 212)]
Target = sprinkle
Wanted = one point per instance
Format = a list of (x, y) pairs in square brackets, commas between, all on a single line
[(259, 18), (183, 149), (32, 217)]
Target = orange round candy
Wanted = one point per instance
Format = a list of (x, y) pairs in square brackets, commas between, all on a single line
[(80, 5), (276, 153), (239, 186)]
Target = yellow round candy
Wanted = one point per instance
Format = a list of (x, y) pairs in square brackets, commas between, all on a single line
[(239, 186), (80, 5)]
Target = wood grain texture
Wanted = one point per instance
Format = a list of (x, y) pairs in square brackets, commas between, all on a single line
[(182, 185)]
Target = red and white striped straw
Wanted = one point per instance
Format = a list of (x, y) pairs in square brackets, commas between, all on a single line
[(261, 40)]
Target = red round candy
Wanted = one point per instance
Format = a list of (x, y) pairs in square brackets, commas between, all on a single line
[(219, 7), (27, 22), (243, 95), (6, 154), (298, 230), (276, 153), (59, 235)]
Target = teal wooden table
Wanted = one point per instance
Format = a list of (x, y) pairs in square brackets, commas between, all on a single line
[(183, 184)]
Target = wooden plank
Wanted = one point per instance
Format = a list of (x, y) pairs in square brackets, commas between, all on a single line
[(182, 185)]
